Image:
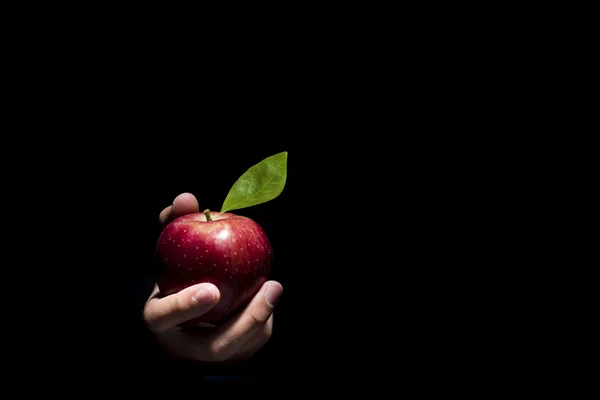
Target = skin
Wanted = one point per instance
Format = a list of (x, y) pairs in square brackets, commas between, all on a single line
[(236, 339)]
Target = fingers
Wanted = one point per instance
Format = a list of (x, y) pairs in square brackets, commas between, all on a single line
[(185, 203), (162, 314), (256, 342), (228, 338)]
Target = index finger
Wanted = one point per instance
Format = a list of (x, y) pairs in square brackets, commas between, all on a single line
[(163, 313)]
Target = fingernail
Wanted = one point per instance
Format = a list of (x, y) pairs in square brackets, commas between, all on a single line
[(203, 296), (273, 293)]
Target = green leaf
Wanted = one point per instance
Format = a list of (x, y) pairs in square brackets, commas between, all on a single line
[(259, 184)]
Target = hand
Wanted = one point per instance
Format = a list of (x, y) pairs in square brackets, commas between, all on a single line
[(235, 339)]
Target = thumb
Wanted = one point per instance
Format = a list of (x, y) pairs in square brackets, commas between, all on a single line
[(162, 314)]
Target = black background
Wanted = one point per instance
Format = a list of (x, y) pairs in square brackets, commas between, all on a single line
[(372, 233), (358, 231), (414, 189)]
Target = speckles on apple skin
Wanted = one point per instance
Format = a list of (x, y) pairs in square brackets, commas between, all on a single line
[(237, 267)]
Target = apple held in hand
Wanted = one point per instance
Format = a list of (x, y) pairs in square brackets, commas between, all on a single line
[(230, 251)]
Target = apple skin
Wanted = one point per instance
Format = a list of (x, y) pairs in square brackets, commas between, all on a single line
[(232, 252)]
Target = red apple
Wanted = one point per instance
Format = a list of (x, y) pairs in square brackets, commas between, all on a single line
[(228, 250)]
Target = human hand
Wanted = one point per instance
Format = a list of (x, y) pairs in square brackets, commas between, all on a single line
[(235, 339)]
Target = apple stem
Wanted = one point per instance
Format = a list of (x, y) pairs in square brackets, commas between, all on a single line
[(207, 213)]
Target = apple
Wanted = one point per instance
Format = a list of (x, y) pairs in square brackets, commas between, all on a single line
[(230, 251)]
